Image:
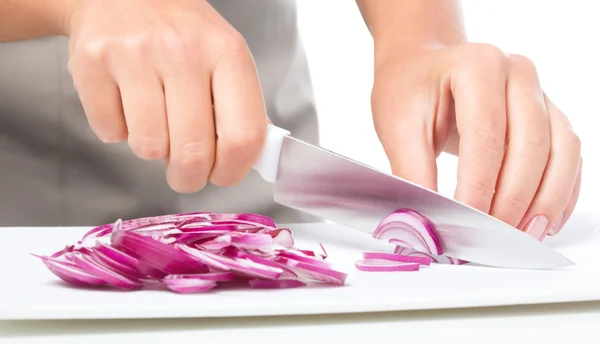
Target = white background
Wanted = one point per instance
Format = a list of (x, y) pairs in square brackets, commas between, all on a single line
[(561, 37)]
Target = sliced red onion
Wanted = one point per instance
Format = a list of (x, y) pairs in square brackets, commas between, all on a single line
[(276, 284), (315, 272), (397, 258), (252, 269), (286, 271), (441, 259), (382, 265), (155, 254), (246, 241), (213, 246), (203, 257), (67, 249), (117, 280), (242, 266), (114, 265), (253, 219), (192, 252), (189, 285), (411, 228), (209, 276), (283, 237), (114, 254), (192, 237), (70, 273), (208, 227), (300, 256), (313, 254)]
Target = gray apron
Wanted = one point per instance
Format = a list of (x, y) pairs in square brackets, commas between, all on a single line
[(54, 171)]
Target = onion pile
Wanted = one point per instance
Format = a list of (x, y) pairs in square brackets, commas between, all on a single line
[(191, 253)]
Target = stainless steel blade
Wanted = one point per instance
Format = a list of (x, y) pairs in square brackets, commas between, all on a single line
[(325, 184)]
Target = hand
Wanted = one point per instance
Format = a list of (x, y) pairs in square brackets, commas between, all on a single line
[(518, 157), (150, 71)]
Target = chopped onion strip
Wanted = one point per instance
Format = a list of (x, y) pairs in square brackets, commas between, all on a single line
[(381, 265), (442, 259), (397, 258)]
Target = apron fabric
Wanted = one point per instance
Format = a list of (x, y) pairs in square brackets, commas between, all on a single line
[(55, 172)]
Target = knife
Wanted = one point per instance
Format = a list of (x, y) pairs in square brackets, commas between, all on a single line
[(332, 187)]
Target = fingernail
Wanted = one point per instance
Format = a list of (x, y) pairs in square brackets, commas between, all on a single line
[(555, 228), (537, 227)]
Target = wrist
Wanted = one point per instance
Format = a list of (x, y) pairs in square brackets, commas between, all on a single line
[(59, 15), (399, 48)]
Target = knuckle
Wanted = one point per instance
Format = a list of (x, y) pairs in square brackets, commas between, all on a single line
[(574, 142), (196, 156), (88, 55), (242, 142), (522, 63), (231, 44), (137, 46), (487, 55), (147, 147), (176, 42)]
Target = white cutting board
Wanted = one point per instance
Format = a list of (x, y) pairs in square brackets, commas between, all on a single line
[(29, 291)]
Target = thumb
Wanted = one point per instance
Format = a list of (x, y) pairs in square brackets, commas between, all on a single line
[(407, 138)]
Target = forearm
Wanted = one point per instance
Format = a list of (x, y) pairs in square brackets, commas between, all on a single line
[(413, 24), (28, 19)]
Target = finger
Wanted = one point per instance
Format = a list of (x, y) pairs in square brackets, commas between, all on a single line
[(405, 136), (480, 98), (101, 101), (191, 126), (558, 181), (528, 136), (240, 117), (554, 230), (144, 106)]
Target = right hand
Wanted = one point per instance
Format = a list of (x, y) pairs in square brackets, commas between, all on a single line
[(150, 71)]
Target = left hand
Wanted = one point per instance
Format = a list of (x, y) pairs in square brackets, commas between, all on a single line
[(518, 157)]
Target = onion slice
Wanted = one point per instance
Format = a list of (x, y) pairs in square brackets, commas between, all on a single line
[(277, 284), (112, 277), (189, 285), (71, 274), (382, 265), (397, 258), (409, 228), (314, 272), (441, 259)]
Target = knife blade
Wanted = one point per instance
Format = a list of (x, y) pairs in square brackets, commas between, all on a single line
[(330, 186)]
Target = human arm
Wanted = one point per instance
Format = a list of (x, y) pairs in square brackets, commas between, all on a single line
[(29, 19)]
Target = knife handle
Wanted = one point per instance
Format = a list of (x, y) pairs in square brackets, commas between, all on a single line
[(268, 162)]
